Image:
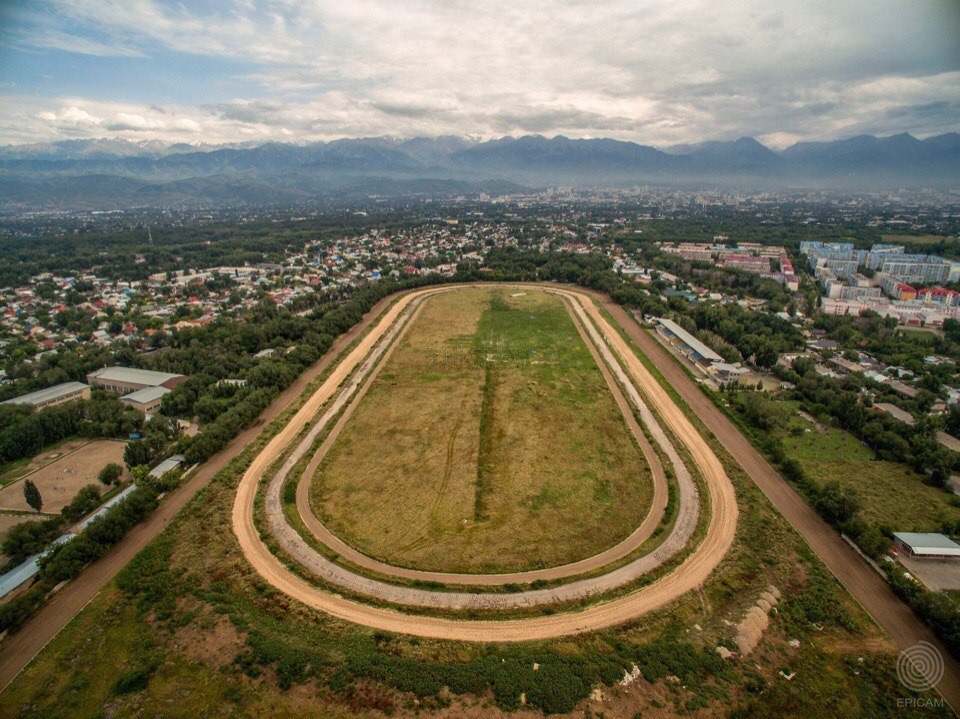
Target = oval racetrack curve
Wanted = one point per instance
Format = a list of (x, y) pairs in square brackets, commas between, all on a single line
[(689, 575)]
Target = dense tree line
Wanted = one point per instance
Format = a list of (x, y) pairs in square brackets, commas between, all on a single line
[(67, 560), (28, 538), (24, 432), (760, 336)]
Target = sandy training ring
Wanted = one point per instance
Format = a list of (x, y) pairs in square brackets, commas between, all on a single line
[(359, 366)]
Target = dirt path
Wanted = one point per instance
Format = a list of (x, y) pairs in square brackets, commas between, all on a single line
[(634, 540), (18, 650), (688, 576), (873, 594)]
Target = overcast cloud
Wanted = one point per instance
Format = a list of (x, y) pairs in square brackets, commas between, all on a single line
[(654, 72)]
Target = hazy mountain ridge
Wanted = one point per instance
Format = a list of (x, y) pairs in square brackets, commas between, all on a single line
[(62, 174)]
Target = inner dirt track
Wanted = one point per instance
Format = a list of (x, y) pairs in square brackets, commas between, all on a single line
[(689, 575), (306, 555)]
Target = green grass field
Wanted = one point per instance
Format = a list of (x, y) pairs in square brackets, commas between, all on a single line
[(893, 494), (489, 429)]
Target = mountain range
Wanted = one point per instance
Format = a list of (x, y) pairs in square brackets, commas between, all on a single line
[(111, 174)]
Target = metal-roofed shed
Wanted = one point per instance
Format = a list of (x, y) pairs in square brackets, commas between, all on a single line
[(926, 545), (52, 396), (698, 349)]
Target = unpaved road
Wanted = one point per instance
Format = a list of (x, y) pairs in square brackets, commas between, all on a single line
[(18, 650), (688, 576), (871, 591), (623, 548)]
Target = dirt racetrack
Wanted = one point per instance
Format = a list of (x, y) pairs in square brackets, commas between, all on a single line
[(688, 576), (894, 617), (295, 546), (602, 559)]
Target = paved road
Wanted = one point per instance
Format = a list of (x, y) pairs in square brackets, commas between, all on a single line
[(19, 649), (689, 575), (873, 593)]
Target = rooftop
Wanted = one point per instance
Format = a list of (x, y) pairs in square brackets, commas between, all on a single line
[(166, 465), (42, 396), (145, 395), (132, 375), (929, 542), (688, 339)]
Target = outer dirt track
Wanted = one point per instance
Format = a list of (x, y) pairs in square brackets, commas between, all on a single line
[(688, 576)]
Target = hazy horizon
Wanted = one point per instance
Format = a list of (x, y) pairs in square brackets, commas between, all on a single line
[(473, 139)]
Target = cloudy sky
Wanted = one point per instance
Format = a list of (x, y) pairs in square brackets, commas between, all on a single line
[(660, 73)]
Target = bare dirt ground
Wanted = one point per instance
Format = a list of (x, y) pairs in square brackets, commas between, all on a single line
[(67, 473), (689, 575), (620, 550), (41, 459)]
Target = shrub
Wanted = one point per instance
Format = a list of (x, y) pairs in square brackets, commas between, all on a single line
[(110, 474), (85, 501), (134, 681)]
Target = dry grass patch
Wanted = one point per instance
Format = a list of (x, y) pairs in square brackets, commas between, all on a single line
[(489, 442)]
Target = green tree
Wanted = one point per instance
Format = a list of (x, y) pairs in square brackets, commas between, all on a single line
[(32, 495), (766, 355), (111, 473), (137, 452), (85, 501), (837, 504)]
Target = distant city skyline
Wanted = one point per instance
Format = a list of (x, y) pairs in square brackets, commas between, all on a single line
[(654, 73)]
